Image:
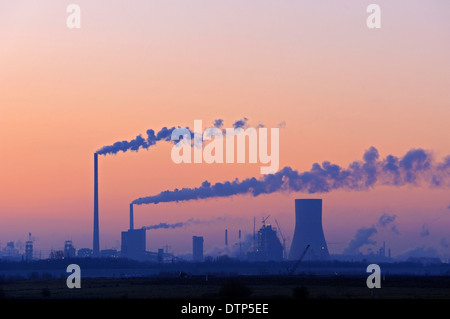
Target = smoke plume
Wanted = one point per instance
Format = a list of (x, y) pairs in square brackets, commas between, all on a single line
[(416, 167), (152, 137), (188, 222), (361, 238), (139, 142), (385, 220)]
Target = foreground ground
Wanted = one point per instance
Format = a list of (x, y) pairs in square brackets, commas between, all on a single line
[(248, 287)]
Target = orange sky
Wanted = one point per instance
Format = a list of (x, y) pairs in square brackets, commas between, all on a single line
[(339, 86)]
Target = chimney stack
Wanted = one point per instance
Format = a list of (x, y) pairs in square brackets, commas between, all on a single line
[(226, 237), (96, 244), (131, 217)]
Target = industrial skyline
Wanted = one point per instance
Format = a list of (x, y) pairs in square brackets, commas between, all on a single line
[(338, 91), (265, 244)]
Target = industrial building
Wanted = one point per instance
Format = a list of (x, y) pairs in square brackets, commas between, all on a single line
[(308, 230), (197, 248), (84, 253), (69, 250), (267, 245), (133, 244)]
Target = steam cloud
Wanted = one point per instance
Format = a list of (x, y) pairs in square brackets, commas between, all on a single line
[(416, 167), (163, 135), (361, 238), (385, 220), (182, 224), (139, 142)]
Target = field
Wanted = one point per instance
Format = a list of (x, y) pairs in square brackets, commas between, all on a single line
[(241, 287)]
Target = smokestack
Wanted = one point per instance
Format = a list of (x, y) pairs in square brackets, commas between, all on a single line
[(96, 244), (131, 217), (240, 244), (308, 230), (226, 237)]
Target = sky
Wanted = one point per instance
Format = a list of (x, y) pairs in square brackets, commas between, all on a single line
[(337, 86)]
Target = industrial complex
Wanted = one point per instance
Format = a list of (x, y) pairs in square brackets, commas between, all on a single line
[(267, 243)]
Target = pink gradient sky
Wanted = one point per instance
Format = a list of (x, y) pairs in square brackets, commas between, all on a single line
[(339, 86)]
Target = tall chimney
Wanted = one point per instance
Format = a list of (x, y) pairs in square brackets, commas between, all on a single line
[(226, 237), (96, 244), (131, 217)]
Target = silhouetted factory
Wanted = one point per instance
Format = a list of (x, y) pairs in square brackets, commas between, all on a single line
[(133, 241), (266, 244), (197, 248)]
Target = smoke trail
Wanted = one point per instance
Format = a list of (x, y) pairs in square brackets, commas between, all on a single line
[(361, 238), (241, 123), (183, 224), (218, 123), (414, 168), (164, 134), (139, 142), (386, 219), (164, 225)]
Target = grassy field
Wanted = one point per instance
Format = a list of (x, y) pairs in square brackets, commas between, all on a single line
[(250, 287)]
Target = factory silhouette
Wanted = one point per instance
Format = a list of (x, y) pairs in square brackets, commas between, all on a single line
[(267, 243)]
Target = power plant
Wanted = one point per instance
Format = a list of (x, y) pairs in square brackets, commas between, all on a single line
[(133, 241), (308, 230), (266, 244)]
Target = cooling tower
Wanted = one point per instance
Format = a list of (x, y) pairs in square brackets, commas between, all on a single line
[(96, 244), (308, 230)]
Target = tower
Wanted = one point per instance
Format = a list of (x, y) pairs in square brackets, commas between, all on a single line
[(133, 244), (308, 230), (69, 250), (96, 241), (131, 217), (197, 248), (226, 237), (29, 249)]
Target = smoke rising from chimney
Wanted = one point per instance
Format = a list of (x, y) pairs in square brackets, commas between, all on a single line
[(416, 167), (164, 134), (188, 222)]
